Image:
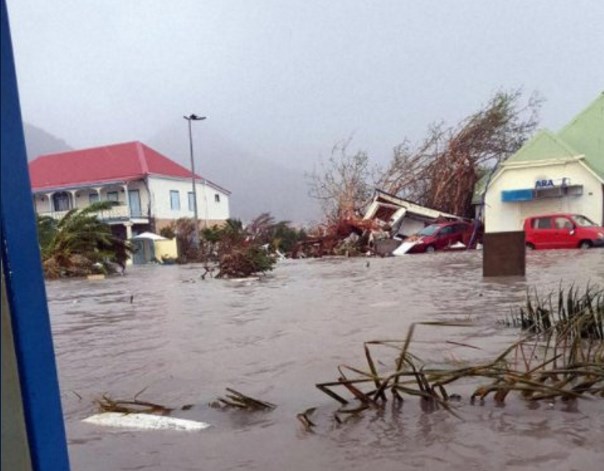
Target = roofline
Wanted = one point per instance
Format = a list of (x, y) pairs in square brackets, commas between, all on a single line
[(139, 150), (202, 180), (85, 149), (42, 189), (581, 113), (81, 186), (542, 162), (538, 163), (411, 204)]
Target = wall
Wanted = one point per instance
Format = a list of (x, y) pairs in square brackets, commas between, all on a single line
[(207, 208), (166, 248), (501, 217)]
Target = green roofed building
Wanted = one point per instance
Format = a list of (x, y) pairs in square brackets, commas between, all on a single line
[(552, 173)]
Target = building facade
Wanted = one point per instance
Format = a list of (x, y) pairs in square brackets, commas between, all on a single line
[(551, 173), (150, 190)]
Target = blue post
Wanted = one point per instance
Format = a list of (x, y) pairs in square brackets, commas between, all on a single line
[(24, 281)]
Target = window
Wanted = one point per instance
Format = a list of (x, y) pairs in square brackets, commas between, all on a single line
[(582, 221), (174, 200), (542, 223), (93, 198), (563, 223), (61, 201), (446, 231), (216, 198), (112, 196), (429, 230), (191, 201)]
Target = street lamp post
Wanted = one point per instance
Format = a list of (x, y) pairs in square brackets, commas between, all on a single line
[(190, 118)]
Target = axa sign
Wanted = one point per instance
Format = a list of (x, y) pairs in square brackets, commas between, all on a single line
[(544, 183)]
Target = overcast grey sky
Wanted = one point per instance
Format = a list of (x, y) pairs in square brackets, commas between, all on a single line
[(285, 80)]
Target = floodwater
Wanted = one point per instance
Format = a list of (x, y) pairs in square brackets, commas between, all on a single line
[(185, 340)]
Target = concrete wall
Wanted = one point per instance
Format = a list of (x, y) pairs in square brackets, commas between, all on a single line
[(502, 217), (207, 206), (166, 248)]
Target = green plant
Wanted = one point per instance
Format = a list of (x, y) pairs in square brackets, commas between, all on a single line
[(80, 243)]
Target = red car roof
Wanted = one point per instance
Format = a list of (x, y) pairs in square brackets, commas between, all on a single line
[(118, 162)]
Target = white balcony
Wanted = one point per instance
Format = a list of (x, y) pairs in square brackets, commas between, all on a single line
[(115, 214)]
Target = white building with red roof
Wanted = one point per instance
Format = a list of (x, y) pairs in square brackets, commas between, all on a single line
[(151, 190)]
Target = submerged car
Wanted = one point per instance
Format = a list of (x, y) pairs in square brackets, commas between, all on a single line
[(445, 236), (562, 231)]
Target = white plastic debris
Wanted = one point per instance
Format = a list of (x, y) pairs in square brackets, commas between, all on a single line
[(458, 245), (145, 422), (404, 248)]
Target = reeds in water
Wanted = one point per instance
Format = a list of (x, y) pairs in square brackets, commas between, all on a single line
[(560, 309), (561, 356)]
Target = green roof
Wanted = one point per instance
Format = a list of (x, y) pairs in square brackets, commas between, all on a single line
[(583, 136), (586, 134), (543, 146)]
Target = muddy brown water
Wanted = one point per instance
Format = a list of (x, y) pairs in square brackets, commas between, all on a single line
[(186, 340)]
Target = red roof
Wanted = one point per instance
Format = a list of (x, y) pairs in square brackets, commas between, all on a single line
[(118, 162)]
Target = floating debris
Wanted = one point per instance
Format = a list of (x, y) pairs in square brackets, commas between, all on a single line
[(303, 417), (241, 401), (141, 421), (107, 404)]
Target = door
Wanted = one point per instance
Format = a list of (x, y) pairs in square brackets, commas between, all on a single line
[(445, 235), (134, 200), (544, 233), (564, 229)]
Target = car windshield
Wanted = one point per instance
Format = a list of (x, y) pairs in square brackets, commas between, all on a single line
[(582, 221), (430, 230)]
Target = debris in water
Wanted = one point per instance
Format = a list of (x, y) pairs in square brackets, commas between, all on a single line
[(241, 401), (303, 417), (143, 421), (107, 404)]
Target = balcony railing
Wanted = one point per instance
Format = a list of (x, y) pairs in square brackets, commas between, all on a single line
[(116, 213)]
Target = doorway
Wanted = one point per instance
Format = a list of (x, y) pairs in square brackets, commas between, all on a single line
[(134, 200)]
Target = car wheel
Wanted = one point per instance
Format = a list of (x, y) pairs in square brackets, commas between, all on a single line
[(430, 249), (530, 246), (585, 244)]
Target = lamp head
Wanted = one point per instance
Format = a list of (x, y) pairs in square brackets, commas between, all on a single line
[(194, 117)]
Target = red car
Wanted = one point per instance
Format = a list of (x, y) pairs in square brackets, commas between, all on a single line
[(562, 231), (441, 237)]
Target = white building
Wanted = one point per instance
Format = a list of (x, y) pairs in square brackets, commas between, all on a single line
[(152, 190), (552, 173)]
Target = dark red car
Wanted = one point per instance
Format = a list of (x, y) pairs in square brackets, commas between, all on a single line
[(562, 231), (444, 236)]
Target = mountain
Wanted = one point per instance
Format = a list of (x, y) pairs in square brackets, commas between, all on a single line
[(39, 142), (257, 184)]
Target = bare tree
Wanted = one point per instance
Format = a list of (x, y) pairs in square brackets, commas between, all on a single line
[(342, 185)]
